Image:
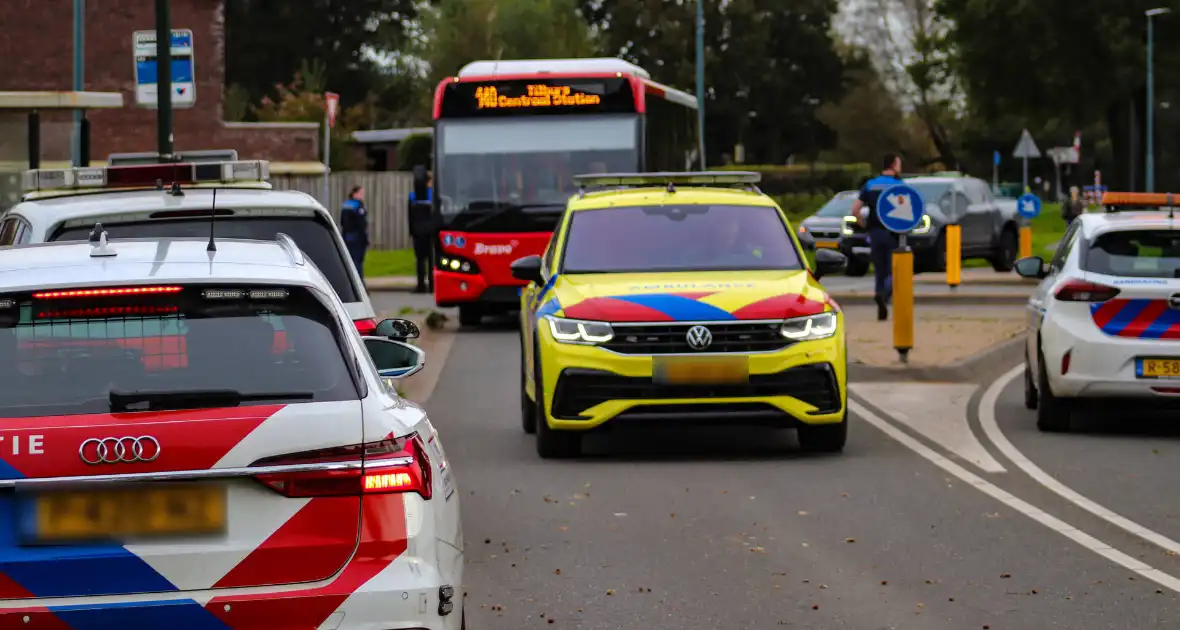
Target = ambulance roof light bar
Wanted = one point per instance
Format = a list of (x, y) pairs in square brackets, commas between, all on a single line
[(145, 175), (748, 179), (1116, 201), (213, 155)]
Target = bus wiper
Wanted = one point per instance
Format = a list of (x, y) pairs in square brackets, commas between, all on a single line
[(193, 398), (500, 208)]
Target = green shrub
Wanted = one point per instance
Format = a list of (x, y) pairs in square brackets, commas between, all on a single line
[(800, 206), (822, 179), (414, 150)]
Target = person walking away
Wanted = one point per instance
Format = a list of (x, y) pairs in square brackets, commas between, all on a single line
[(419, 215), (1073, 208), (882, 242), (354, 227)]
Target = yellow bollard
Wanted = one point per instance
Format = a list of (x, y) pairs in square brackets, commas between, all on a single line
[(903, 302), (954, 255), (1025, 241)]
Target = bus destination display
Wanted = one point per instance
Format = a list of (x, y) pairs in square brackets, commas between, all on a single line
[(537, 96)]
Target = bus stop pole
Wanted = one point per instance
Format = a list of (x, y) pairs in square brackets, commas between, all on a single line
[(79, 76), (701, 81), (164, 79)]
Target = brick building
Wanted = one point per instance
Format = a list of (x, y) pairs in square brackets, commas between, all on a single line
[(36, 49)]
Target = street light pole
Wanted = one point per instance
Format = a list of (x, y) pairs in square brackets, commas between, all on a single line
[(1149, 163), (701, 81), (79, 64), (164, 79)]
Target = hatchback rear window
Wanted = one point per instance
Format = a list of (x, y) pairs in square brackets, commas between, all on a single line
[(313, 235), (172, 350), (1135, 253)]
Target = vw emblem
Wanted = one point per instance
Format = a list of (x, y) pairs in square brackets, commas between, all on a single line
[(126, 450), (699, 338), (1174, 301)]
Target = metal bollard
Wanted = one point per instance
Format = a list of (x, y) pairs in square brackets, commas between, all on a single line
[(1025, 241), (954, 255), (903, 301)]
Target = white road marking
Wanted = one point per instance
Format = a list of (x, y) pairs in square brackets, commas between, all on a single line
[(1065, 529), (987, 419), (945, 423)]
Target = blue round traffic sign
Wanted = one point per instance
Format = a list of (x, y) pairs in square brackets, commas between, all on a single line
[(1028, 206), (900, 208)]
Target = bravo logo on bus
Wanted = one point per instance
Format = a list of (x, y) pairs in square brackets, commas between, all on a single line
[(494, 250)]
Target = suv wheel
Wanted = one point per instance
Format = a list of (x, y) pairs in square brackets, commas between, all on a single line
[(551, 444), (824, 438), (1006, 250), (528, 408), (935, 259), (1030, 387), (470, 315), (857, 267)]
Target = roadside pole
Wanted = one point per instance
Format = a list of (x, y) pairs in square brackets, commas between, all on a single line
[(900, 209), (995, 172), (701, 81), (954, 255), (1028, 207), (164, 79), (79, 79), (331, 104), (1026, 149)]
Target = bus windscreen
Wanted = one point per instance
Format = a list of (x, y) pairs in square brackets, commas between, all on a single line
[(536, 96)]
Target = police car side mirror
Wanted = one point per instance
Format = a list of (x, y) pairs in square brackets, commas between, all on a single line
[(396, 329), (829, 262), (395, 359), (527, 269), (1032, 267)]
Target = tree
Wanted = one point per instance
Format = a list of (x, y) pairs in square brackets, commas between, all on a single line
[(462, 31), (268, 40), (768, 65), (302, 100)]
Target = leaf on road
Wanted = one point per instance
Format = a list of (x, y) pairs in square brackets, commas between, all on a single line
[(802, 512), (610, 591), (557, 571), (849, 540), (1005, 575)]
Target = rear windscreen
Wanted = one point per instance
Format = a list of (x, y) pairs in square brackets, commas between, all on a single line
[(313, 235), (1137, 253), (62, 355)]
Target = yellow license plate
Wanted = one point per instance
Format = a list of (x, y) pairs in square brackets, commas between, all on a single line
[(699, 371), (130, 513), (827, 244), (1159, 368)]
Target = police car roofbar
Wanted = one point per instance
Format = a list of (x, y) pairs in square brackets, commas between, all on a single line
[(140, 176), (705, 178), (1116, 201)]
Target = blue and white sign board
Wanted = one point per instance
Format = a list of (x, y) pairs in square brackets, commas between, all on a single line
[(1028, 206), (184, 87), (900, 208)]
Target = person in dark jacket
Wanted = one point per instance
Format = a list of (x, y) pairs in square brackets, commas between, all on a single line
[(882, 242), (354, 227), (1073, 208), (421, 232)]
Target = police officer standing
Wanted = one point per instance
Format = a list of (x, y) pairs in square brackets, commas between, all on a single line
[(882, 242), (354, 227), (421, 227)]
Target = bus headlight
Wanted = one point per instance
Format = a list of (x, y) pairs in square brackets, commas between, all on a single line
[(580, 332), (457, 264)]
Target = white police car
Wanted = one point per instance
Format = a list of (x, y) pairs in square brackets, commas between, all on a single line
[(1105, 320), (64, 204), (198, 438)]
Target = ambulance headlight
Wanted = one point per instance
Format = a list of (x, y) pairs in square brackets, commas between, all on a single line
[(810, 327), (580, 332)]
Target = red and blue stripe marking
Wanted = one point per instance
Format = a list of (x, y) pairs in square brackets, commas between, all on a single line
[(686, 307), (1137, 318)]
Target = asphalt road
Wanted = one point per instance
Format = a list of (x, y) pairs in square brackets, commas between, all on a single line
[(728, 528)]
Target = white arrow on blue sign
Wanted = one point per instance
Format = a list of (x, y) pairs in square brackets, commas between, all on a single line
[(900, 208), (1028, 206)]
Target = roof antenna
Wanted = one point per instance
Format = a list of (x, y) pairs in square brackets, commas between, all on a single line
[(98, 241), (212, 221)]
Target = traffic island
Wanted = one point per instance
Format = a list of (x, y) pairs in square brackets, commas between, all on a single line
[(951, 343)]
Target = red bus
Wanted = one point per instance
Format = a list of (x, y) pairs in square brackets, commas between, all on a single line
[(508, 138)]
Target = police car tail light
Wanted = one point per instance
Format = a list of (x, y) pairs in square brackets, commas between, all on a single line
[(366, 326), (819, 326), (572, 331), (146, 175), (1081, 291), (391, 465), (105, 292)]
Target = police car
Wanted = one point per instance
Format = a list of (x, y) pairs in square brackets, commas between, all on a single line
[(198, 437), (135, 200), (1105, 320)]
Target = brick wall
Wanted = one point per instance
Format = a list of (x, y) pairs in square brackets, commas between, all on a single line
[(36, 53)]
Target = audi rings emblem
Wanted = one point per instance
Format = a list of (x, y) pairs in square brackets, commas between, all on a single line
[(699, 338), (123, 450)]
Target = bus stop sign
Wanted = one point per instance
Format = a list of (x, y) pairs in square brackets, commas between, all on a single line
[(184, 86)]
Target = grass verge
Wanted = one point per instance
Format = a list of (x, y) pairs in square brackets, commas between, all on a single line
[(389, 262)]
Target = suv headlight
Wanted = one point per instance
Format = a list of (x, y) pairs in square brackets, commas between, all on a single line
[(810, 327), (846, 228), (924, 226), (580, 332)]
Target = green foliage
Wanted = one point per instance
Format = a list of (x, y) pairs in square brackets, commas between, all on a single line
[(821, 179), (800, 206), (414, 150), (296, 103), (462, 31), (768, 66)]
